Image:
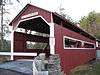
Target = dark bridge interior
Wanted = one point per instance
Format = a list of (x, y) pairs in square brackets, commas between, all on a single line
[(37, 42)]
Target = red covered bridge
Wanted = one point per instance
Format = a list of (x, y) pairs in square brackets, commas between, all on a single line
[(54, 34)]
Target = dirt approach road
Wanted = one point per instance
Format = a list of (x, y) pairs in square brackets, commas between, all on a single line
[(10, 72), (16, 68)]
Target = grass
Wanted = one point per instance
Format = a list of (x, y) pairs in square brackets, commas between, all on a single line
[(4, 50), (4, 59), (93, 69)]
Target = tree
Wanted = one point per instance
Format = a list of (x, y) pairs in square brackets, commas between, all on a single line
[(4, 30), (91, 23)]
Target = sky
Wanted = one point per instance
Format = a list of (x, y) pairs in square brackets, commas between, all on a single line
[(74, 8)]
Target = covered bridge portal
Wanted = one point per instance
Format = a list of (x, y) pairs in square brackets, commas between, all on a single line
[(33, 33), (32, 36)]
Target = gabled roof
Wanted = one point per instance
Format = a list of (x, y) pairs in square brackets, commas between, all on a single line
[(72, 25), (23, 10)]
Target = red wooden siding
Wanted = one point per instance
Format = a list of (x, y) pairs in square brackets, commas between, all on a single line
[(72, 57), (20, 42)]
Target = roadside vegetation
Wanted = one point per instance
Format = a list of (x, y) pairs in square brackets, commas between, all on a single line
[(88, 69), (91, 23)]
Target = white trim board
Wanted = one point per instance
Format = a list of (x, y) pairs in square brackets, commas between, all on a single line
[(79, 48), (12, 44), (24, 54), (5, 53), (18, 54), (52, 39)]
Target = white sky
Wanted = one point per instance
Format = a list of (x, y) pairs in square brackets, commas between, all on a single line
[(74, 8)]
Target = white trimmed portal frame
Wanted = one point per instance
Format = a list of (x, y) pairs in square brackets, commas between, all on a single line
[(51, 39), (12, 44)]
